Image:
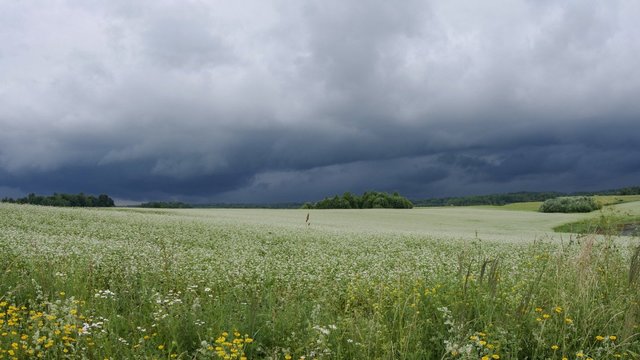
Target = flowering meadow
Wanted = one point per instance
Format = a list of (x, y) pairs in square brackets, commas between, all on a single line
[(240, 284)]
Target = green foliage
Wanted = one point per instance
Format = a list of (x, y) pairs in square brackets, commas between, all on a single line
[(65, 200), (368, 200), (509, 198), (572, 204), (633, 190), (494, 199), (609, 222), (166, 205)]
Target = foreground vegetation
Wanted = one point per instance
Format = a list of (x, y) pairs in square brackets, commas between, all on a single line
[(617, 224), (185, 284), (619, 220)]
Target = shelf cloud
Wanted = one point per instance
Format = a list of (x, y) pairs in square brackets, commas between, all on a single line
[(270, 101)]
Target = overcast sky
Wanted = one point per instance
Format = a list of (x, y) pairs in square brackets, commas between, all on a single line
[(270, 101)]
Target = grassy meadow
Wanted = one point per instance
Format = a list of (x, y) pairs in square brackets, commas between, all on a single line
[(622, 218), (428, 283)]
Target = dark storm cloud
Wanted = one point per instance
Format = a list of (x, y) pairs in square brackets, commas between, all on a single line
[(275, 101)]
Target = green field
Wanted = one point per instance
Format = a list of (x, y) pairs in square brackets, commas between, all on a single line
[(428, 283), (623, 218), (617, 199), (605, 200)]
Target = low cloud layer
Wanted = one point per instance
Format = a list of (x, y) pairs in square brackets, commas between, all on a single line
[(261, 101)]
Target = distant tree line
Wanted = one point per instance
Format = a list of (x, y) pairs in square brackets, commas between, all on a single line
[(368, 200), (494, 199), (571, 204), (182, 205), (285, 205), (509, 198), (166, 205), (71, 200), (633, 190)]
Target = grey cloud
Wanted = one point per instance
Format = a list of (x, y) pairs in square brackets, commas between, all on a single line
[(175, 43), (274, 100)]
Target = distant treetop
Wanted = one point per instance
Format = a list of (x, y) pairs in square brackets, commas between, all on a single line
[(570, 204), (66, 200), (368, 200), (166, 205)]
